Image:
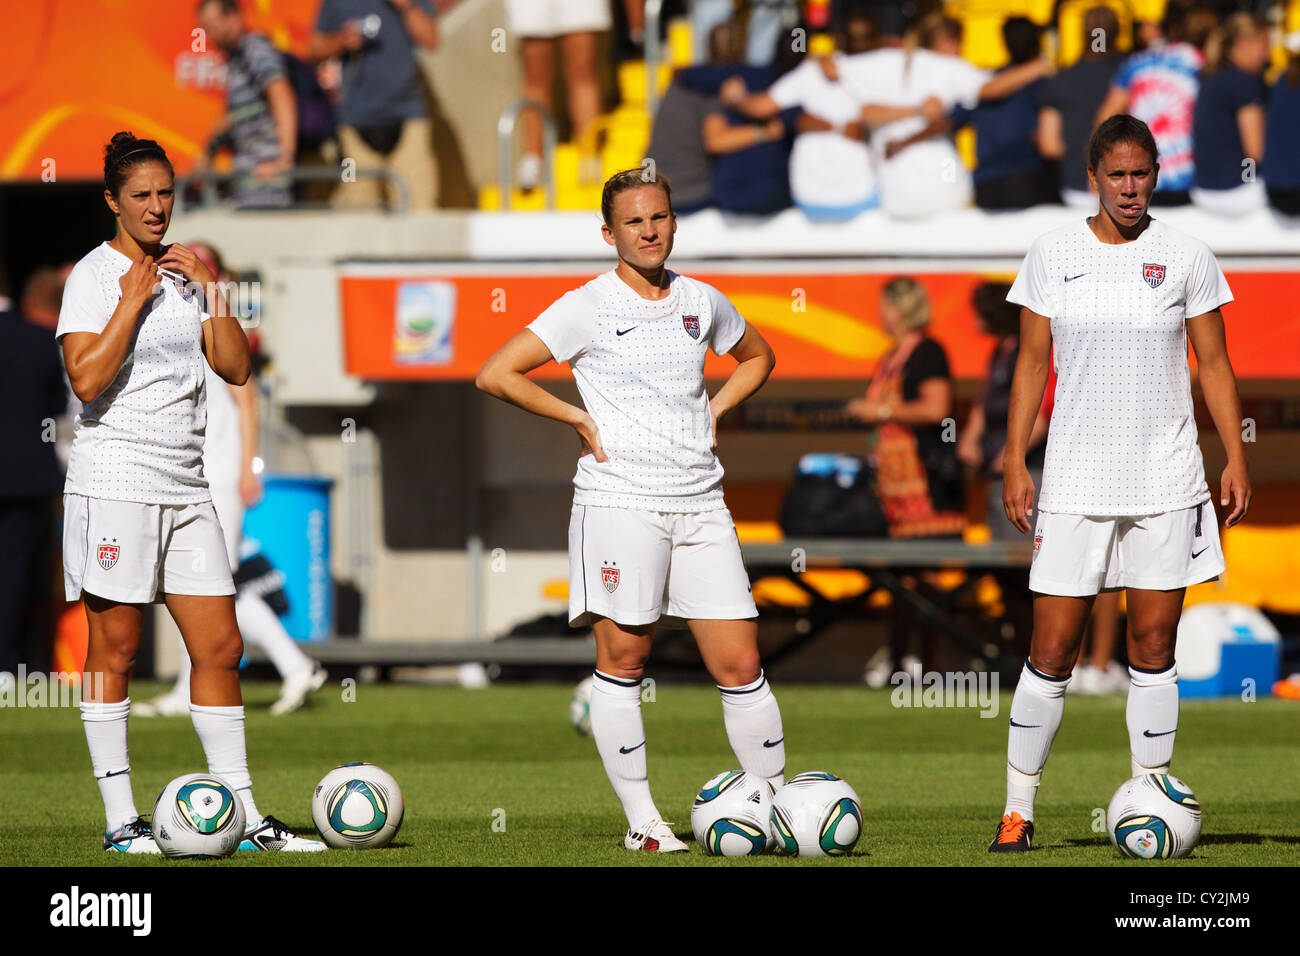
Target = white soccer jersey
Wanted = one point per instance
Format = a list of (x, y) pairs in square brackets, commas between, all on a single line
[(1123, 439), (222, 441), (826, 168), (141, 439), (639, 365), (929, 176)]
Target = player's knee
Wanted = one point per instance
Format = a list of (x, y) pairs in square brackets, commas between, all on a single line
[(740, 670), (1153, 648), (220, 651), (1053, 658)]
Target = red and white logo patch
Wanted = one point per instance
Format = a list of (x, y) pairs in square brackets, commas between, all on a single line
[(1153, 274), (609, 578), (692, 324), (1038, 543), (107, 554)]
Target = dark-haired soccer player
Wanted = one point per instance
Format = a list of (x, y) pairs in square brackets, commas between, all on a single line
[(139, 526), (650, 533), (1124, 502)]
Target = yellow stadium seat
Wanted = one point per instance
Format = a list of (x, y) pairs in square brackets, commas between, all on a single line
[(966, 146), (631, 81), (681, 42), (981, 40), (1149, 11)]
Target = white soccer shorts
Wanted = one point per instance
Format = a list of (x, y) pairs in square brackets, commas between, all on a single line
[(635, 566), (1080, 555), (133, 553), (553, 18)]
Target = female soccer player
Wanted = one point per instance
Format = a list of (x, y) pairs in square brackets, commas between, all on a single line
[(139, 526), (1124, 502), (650, 533), (229, 449)]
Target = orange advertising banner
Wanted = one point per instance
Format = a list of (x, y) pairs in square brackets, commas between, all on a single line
[(77, 71), (408, 324)]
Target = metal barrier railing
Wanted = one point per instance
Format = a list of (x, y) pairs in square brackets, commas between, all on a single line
[(653, 53), (209, 181), (506, 124)]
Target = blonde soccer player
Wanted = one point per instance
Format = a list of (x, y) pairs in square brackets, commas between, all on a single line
[(650, 533), (1124, 504), (139, 526)]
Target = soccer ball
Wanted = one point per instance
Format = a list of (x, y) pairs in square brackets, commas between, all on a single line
[(357, 806), (1154, 817), (816, 814), (198, 816), (730, 814), (580, 707)]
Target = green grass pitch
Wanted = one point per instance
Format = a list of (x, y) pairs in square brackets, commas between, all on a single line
[(498, 778)]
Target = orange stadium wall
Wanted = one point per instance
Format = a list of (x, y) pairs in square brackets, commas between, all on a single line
[(75, 72)]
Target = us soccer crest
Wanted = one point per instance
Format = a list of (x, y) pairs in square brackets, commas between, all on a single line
[(609, 578), (1153, 273), (107, 554), (692, 323)]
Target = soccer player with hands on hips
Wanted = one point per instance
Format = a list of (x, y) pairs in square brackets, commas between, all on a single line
[(650, 534), (1124, 503), (139, 526)]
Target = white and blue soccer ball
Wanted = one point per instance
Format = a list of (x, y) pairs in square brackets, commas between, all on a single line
[(731, 813), (580, 707), (1154, 817), (357, 806), (816, 814), (198, 816)]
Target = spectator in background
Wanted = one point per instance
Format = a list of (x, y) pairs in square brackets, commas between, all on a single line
[(1228, 121), (984, 438), (32, 397), (677, 146), (383, 111), (1281, 166), (1159, 87), (750, 159), (260, 126), (917, 474), (907, 95), (1069, 105), (1009, 172), (831, 177), (540, 26)]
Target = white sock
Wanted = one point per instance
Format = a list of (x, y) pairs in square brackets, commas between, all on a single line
[(753, 722), (221, 732), (260, 625), (105, 726), (1036, 709), (620, 738), (1152, 717)]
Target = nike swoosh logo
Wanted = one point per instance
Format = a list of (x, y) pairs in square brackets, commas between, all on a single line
[(1025, 726), (628, 750), (1072, 278), (624, 331), (1165, 733), (117, 773), (772, 743), (1197, 554)]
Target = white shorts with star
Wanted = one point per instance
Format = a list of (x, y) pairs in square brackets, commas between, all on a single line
[(133, 553), (635, 566), (1079, 555)]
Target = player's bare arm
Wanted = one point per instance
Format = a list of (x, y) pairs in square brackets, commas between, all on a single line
[(505, 376), (1026, 399), (755, 360), (1219, 385), (931, 406), (94, 359), (225, 346)]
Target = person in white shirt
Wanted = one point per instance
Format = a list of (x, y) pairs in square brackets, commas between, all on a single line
[(139, 526), (832, 178), (650, 533), (229, 450), (906, 95), (1124, 503)]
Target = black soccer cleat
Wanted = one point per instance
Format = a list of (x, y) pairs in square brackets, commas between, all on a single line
[(1015, 834)]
